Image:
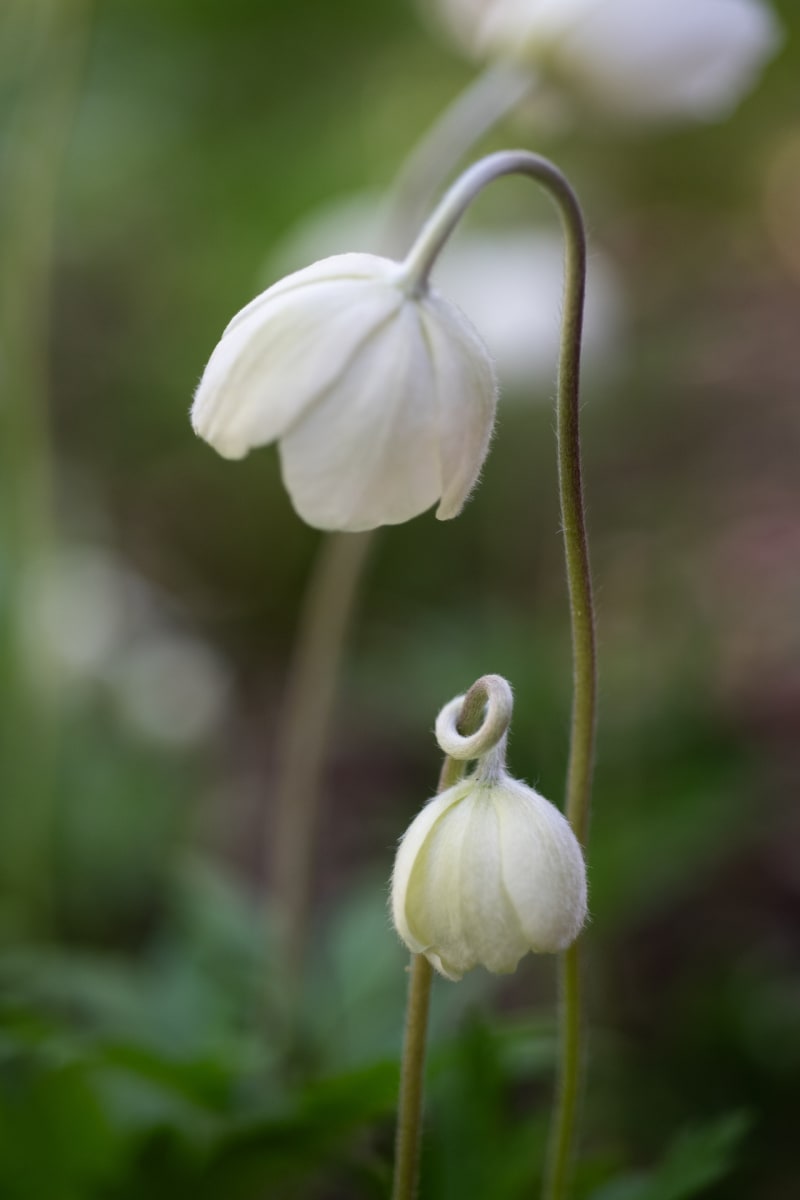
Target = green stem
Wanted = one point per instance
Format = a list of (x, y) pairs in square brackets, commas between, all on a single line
[(584, 696), (570, 1075), (418, 265), (412, 1071), (409, 1110)]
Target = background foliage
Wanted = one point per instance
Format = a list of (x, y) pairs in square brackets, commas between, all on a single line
[(148, 1044)]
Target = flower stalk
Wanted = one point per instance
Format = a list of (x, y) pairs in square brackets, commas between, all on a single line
[(412, 1073), (476, 713)]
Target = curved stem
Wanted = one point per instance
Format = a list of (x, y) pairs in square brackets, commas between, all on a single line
[(472, 115), (584, 696), (418, 265), (486, 709)]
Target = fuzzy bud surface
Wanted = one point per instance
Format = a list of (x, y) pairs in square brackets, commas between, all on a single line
[(486, 872)]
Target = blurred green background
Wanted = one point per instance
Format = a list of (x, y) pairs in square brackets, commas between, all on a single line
[(154, 156)]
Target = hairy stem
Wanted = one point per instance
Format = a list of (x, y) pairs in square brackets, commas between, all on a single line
[(570, 1075), (412, 1073), (584, 696)]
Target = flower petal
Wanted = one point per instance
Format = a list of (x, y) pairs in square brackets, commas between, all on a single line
[(286, 347), (433, 899), (367, 453), (466, 399), (542, 868), (492, 926), (408, 851)]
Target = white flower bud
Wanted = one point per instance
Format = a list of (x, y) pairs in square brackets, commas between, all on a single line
[(379, 392), (636, 58), (486, 872), (489, 869)]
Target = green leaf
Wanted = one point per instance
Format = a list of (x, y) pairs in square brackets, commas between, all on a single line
[(698, 1158)]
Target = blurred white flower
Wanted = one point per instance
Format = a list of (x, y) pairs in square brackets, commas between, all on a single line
[(631, 58), (508, 282), (486, 872), (77, 604), (89, 621), (381, 397), (489, 869), (170, 688)]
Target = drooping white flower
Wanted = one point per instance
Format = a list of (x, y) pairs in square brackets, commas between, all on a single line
[(633, 58), (489, 870), (379, 392), (485, 873), (508, 282)]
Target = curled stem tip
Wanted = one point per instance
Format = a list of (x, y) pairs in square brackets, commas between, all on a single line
[(488, 705)]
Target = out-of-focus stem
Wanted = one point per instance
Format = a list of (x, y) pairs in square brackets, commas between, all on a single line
[(40, 127), (328, 609), (470, 117)]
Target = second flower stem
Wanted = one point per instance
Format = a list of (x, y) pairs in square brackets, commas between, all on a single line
[(412, 1077), (412, 1071), (570, 1073)]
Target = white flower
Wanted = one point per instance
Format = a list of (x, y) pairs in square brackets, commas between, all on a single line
[(639, 58), (170, 688), (509, 283), (381, 395), (486, 872)]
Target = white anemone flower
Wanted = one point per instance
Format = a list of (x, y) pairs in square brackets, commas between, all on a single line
[(630, 58), (489, 870), (485, 873), (508, 282), (379, 392)]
